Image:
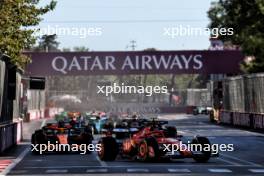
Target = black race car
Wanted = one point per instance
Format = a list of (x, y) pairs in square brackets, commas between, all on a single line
[(61, 133)]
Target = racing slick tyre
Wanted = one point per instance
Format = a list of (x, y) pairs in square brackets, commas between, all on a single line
[(87, 139), (171, 132), (33, 142), (37, 138), (148, 150), (205, 154), (109, 149)]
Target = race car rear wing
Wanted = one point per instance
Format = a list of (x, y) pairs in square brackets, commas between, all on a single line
[(156, 122)]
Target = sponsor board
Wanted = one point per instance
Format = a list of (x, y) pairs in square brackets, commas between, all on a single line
[(137, 62)]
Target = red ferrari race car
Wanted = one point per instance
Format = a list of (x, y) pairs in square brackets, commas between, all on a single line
[(154, 141)]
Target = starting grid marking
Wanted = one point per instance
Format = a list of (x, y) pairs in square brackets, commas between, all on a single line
[(143, 170), (220, 170), (53, 171), (137, 170), (257, 170), (179, 170), (97, 170)]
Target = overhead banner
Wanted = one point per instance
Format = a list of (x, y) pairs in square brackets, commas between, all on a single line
[(143, 62)]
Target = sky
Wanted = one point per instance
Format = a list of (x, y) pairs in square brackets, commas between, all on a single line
[(110, 25)]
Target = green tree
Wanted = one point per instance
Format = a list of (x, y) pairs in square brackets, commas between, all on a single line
[(80, 49), (48, 43), (247, 20), (76, 49), (66, 49), (15, 18)]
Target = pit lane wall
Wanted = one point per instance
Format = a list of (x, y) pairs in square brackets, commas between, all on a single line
[(243, 101), (10, 92)]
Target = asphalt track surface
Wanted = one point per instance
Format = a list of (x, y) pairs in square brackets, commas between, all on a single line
[(246, 159)]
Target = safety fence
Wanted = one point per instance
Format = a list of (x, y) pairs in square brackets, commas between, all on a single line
[(243, 101), (244, 93), (35, 105), (199, 97), (36, 99)]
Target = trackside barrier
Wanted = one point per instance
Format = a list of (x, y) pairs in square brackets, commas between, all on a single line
[(241, 119), (38, 114), (226, 117), (51, 112), (258, 121), (10, 135), (34, 114), (250, 120), (189, 109)]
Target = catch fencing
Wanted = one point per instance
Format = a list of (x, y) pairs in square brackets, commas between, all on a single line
[(244, 93), (199, 97), (36, 104), (79, 93), (243, 101)]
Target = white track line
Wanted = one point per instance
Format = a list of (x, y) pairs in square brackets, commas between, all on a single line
[(179, 170), (256, 170), (137, 170), (220, 170), (97, 170), (43, 123), (133, 166), (229, 162), (182, 132), (15, 162), (102, 163)]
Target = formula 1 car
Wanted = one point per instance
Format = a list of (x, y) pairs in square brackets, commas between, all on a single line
[(96, 121), (153, 142), (128, 126), (62, 133), (68, 116), (202, 110)]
